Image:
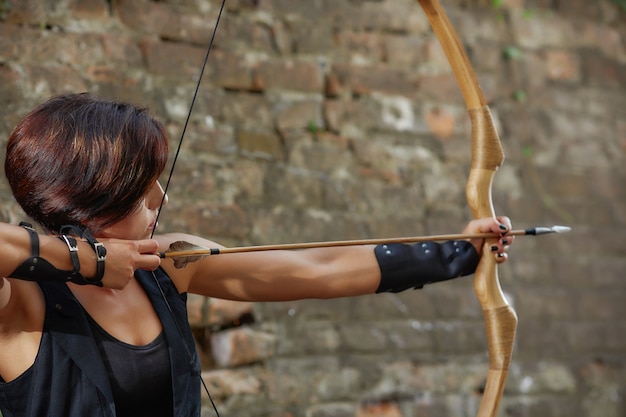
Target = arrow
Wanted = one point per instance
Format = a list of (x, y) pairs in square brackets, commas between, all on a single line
[(182, 249)]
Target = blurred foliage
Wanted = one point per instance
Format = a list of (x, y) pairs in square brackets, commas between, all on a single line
[(620, 3), (5, 8)]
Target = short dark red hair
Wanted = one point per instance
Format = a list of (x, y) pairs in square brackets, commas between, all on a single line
[(81, 160)]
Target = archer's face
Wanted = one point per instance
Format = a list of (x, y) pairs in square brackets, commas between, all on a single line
[(140, 223)]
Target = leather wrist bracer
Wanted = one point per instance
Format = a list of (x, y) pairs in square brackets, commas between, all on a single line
[(36, 268), (413, 266)]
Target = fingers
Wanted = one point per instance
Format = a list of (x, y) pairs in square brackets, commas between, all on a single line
[(147, 246), (502, 246), (500, 225), (148, 258)]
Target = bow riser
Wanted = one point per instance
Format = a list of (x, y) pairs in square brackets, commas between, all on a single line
[(500, 318)]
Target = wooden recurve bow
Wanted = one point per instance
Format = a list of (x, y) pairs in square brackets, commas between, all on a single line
[(487, 157)]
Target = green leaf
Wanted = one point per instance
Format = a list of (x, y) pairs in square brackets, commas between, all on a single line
[(512, 52), (527, 151), (519, 95), (312, 127)]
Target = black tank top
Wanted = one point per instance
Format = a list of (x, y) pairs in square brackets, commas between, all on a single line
[(140, 376)]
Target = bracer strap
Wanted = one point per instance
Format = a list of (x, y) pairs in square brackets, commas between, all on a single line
[(98, 248), (36, 268)]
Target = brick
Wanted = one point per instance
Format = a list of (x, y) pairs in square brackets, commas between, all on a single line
[(379, 410), (602, 380), (579, 8), (225, 383), (171, 59), (442, 87), (121, 49), (376, 337), (254, 31), (309, 338), (548, 406), (211, 220), (341, 115), (52, 79), (601, 71), (460, 338), (9, 88), (364, 80), (304, 311), (214, 312), (255, 112), (542, 337), (604, 38), (11, 39), (361, 46), (241, 346), (265, 144), (601, 304), (394, 17), (306, 37), (331, 410), (438, 378), (28, 11), (230, 70), (543, 303), (299, 115), (540, 31), (563, 66), (322, 154), (454, 299), (416, 306), (96, 10), (596, 336), (441, 122), (404, 50), (293, 380), (303, 76), (149, 17)]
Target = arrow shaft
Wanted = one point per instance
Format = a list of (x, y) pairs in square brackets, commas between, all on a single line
[(329, 244)]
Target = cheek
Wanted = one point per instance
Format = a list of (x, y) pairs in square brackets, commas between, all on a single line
[(130, 227)]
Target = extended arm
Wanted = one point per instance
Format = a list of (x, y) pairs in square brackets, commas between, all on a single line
[(328, 272)]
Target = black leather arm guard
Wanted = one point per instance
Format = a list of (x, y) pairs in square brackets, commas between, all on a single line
[(413, 266), (36, 268)]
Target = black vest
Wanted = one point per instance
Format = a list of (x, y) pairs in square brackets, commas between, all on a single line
[(68, 377)]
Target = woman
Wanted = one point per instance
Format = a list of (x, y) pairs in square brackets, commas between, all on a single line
[(92, 164)]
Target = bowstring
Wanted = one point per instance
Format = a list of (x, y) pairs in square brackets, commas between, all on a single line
[(167, 185), (191, 105)]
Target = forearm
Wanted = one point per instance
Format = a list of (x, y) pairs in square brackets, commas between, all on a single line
[(288, 275), (15, 247)]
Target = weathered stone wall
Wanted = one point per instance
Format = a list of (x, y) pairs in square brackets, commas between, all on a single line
[(326, 120)]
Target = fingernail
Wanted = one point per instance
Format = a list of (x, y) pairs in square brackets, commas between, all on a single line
[(503, 227), (500, 255), (494, 248), (505, 241)]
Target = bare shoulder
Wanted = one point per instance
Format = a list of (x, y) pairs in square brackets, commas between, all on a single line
[(183, 276), (167, 239)]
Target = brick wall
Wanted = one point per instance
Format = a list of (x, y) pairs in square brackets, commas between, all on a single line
[(327, 120)]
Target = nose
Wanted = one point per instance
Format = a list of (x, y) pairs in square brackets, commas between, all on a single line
[(155, 196)]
